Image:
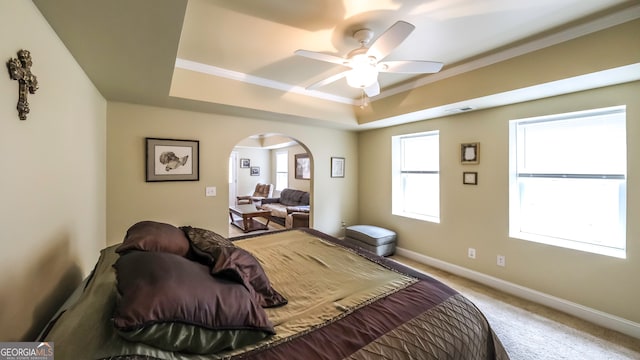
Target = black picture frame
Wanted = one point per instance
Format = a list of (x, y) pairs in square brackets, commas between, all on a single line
[(172, 160), (245, 163), (470, 153), (470, 178), (303, 167), (255, 171)]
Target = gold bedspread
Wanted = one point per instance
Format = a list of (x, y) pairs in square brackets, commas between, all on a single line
[(323, 282)]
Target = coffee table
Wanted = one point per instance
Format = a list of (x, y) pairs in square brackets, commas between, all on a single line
[(247, 213)]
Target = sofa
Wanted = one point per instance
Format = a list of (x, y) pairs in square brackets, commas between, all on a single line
[(292, 204)]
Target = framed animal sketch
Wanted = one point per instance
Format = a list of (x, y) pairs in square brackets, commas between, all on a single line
[(172, 160)]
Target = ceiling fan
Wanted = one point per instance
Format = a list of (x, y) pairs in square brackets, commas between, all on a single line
[(366, 62)]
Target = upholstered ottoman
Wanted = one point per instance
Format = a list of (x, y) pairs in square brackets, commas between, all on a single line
[(375, 239)]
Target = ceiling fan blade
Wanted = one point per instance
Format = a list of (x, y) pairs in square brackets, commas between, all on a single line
[(322, 57), (373, 89), (410, 66), (328, 80), (390, 39)]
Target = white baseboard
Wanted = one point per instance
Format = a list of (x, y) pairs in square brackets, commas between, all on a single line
[(592, 315)]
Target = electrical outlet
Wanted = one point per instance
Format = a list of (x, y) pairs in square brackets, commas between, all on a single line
[(210, 191), (502, 261), (472, 253)]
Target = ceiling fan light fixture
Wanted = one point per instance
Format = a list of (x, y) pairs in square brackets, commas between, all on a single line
[(363, 72), (367, 60)]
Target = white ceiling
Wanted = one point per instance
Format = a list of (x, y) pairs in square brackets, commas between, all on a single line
[(138, 50)]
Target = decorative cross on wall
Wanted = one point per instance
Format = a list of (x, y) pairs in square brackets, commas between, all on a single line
[(20, 69)]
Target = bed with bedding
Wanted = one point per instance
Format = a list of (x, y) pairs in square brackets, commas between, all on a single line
[(190, 294)]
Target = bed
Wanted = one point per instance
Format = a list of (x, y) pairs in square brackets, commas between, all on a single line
[(314, 297)]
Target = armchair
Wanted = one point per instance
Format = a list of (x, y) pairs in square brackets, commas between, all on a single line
[(262, 191), (297, 217)]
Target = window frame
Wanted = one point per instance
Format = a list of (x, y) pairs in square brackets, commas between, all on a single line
[(398, 190), (515, 195), (286, 156)]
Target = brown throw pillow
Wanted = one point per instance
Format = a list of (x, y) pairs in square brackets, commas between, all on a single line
[(173, 303), (205, 244), (155, 236), (228, 261)]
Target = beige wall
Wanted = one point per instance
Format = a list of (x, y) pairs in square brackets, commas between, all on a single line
[(53, 181), (299, 184), (477, 216), (131, 199), (258, 157)]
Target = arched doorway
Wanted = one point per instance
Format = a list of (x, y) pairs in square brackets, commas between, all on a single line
[(274, 159)]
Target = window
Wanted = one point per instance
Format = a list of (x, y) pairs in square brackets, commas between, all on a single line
[(282, 170), (568, 180), (416, 176)]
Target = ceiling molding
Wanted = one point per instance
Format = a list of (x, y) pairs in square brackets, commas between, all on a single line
[(605, 22), (256, 80), (575, 32), (615, 76)]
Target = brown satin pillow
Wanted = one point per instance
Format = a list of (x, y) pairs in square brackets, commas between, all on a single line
[(227, 260), (173, 303), (205, 243), (240, 265), (155, 236)]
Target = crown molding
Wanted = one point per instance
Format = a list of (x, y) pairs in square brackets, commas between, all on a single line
[(256, 80), (602, 23)]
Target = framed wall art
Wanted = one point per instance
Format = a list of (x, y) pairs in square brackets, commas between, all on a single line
[(255, 171), (303, 166), (337, 167), (172, 160), (470, 178), (245, 163), (470, 153)]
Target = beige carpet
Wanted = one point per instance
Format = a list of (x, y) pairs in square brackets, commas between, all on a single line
[(531, 331)]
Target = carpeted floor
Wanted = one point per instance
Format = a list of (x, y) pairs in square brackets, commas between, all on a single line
[(531, 331)]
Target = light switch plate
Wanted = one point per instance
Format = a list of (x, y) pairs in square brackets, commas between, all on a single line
[(210, 191)]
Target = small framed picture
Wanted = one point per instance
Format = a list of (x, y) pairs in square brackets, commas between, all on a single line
[(245, 163), (470, 153), (255, 171), (337, 167), (303, 166), (172, 160), (470, 178)]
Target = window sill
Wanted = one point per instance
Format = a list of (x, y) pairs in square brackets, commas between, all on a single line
[(432, 219), (568, 244)]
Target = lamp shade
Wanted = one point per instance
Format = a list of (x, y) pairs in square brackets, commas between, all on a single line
[(363, 72)]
